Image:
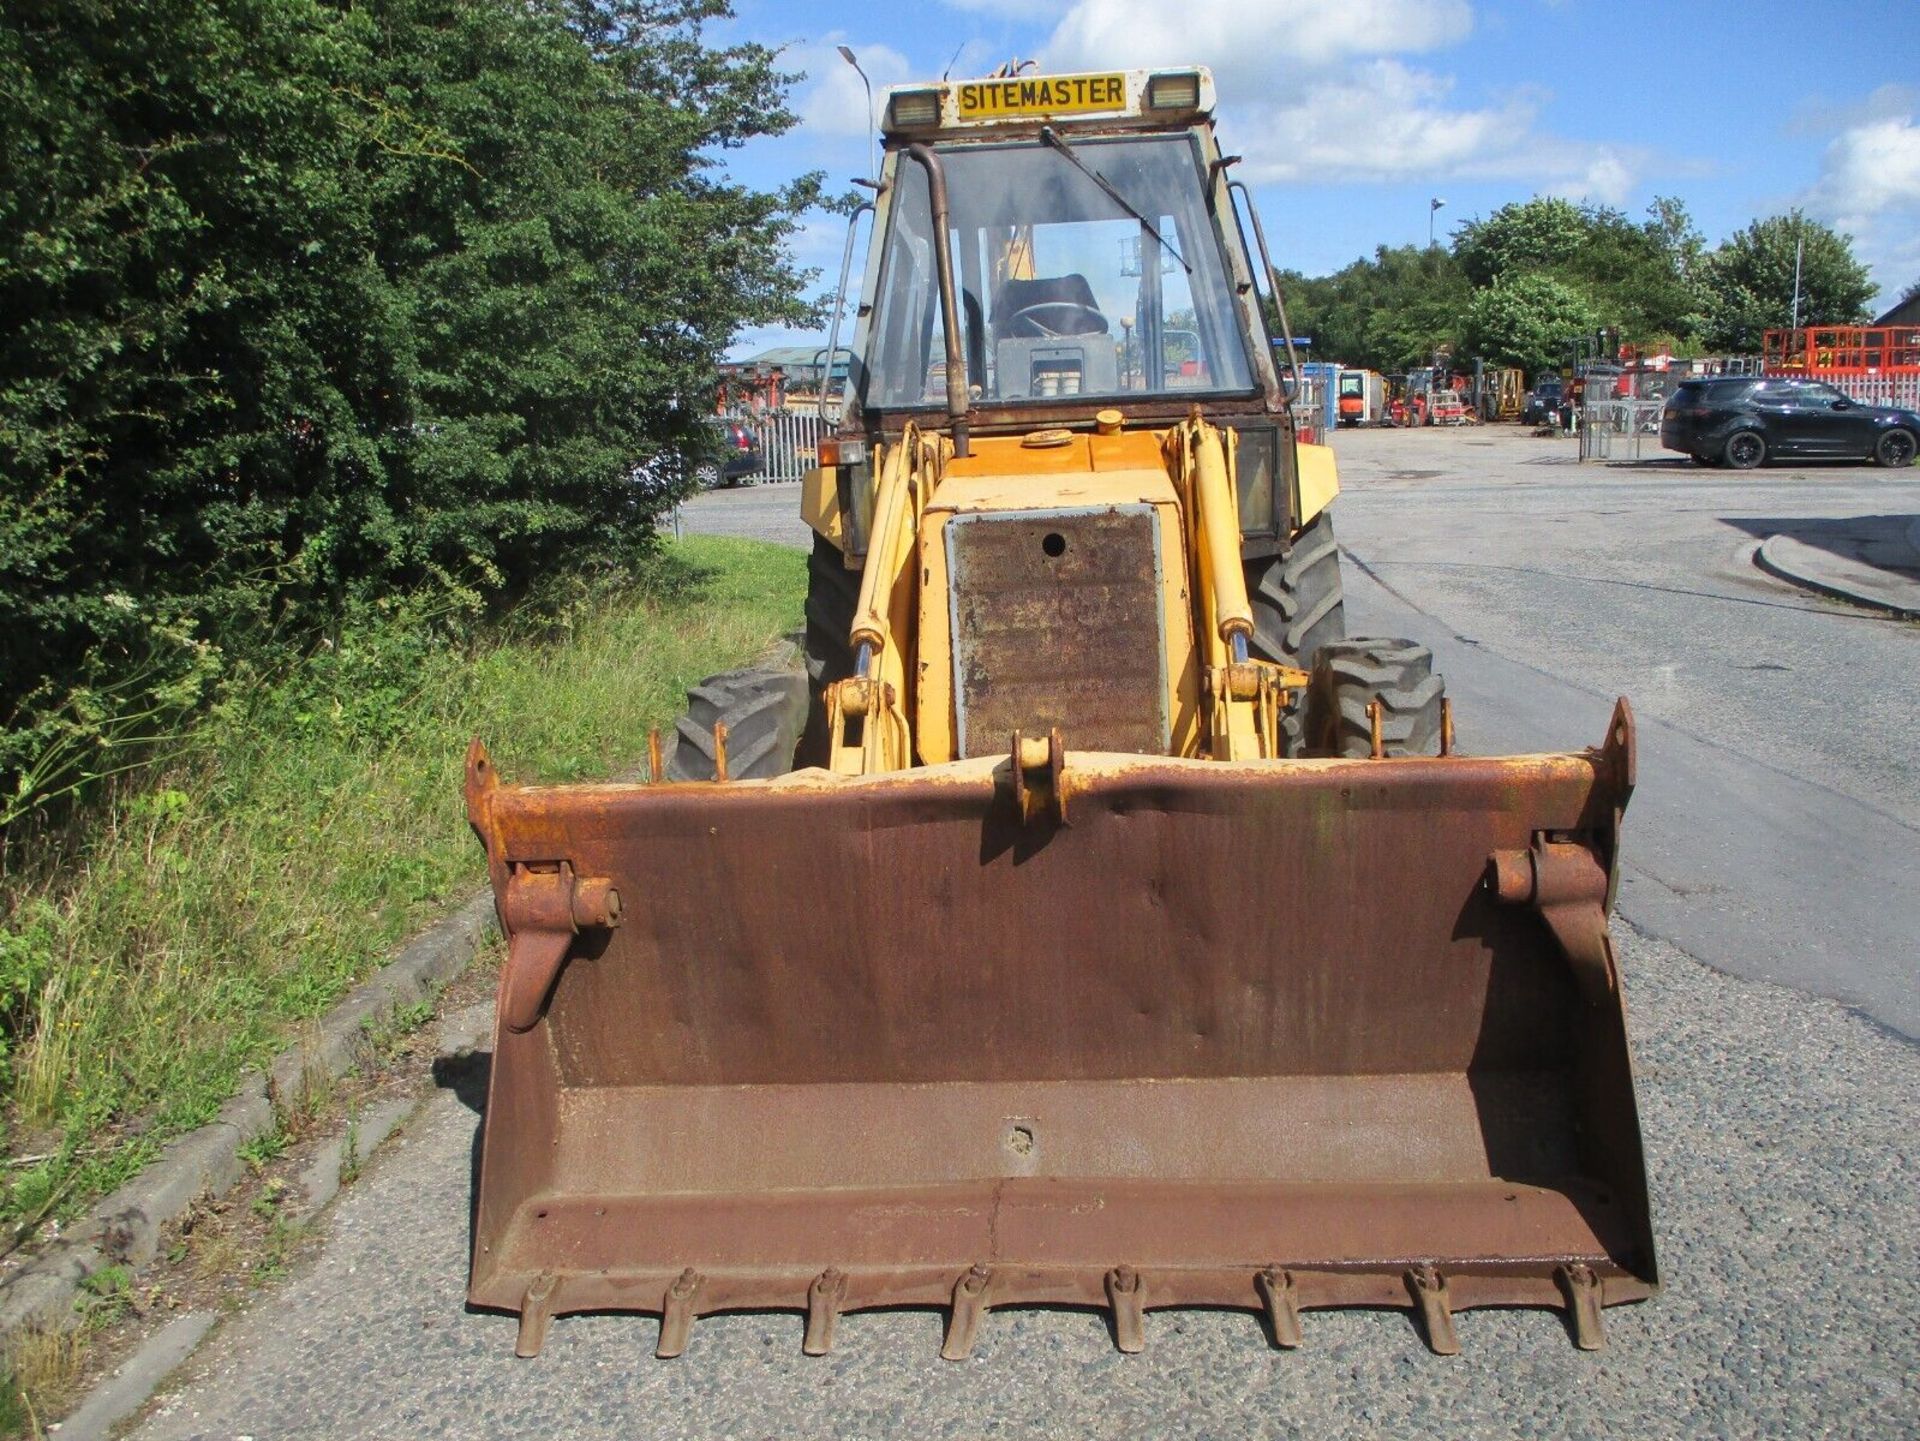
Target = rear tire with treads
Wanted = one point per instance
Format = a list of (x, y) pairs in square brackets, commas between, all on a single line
[(1399, 674), (1297, 608), (764, 711), (833, 594), (1296, 598)]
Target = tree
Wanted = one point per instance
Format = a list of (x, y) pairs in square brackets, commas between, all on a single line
[(313, 302), (1529, 320), (1387, 313), (1749, 281), (1640, 277), (1543, 233)]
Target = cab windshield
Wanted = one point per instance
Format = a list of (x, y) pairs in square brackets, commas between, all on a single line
[(1067, 286)]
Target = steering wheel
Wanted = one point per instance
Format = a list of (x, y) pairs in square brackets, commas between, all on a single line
[(1072, 308)]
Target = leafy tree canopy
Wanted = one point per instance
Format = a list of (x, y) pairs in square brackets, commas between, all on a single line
[(1749, 281), (313, 302), (1387, 313), (1641, 277), (1527, 320)]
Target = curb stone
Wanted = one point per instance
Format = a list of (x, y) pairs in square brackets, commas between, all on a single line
[(127, 1389), (126, 1226), (321, 1180), (1799, 564)]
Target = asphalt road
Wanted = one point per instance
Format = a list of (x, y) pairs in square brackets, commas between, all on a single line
[(1773, 839)]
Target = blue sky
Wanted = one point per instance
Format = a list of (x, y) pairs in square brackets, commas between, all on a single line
[(1353, 114)]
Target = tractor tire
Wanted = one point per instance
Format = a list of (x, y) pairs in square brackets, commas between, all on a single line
[(1347, 674), (1895, 449), (764, 711), (1297, 608), (833, 594), (1745, 450)]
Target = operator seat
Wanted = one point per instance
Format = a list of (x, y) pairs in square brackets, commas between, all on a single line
[(1039, 309), (1050, 338)]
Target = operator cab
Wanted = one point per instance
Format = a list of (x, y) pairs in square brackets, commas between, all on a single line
[(1089, 252)]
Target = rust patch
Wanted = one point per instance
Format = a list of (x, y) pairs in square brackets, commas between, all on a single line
[(1258, 1035)]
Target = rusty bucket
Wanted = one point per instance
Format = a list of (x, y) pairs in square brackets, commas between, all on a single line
[(1275, 1035)]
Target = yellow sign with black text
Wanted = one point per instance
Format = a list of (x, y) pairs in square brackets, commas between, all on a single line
[(1040, 95)]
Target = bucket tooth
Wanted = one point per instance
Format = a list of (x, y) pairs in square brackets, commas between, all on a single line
[(1429, 1288), (676, 1315), (536, 1313), (1283, 1306), (825, 1297), (969, 1304), (1584, 1300), (1129, 1314)]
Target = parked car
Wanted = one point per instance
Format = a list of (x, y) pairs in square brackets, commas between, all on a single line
[(1742, 420), (736, 457)]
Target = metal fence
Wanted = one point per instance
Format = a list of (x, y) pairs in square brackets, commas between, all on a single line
[(1902, 389), (789, 439), (1311, 406), (1620, 429)]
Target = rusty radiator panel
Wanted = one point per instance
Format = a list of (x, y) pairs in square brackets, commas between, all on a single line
[(1057, 621), (893, 1040)]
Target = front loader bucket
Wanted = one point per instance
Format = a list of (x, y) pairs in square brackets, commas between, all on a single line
[(1274, 1035)]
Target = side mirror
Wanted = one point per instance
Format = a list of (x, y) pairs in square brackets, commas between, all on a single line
[(1843, 404)]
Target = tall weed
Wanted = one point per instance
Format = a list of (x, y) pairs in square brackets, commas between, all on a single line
[(313, 821)]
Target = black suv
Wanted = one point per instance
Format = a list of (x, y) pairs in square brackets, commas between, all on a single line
[(1742, 420)]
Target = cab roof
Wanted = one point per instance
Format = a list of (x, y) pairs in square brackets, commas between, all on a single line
[(1130, 99)]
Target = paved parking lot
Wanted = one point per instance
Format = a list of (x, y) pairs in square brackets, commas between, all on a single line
[(1768, 936)]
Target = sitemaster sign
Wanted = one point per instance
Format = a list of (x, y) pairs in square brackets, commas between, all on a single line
[(1042, 95)]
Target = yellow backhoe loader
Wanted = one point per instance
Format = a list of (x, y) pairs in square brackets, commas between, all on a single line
[(1094, 924)]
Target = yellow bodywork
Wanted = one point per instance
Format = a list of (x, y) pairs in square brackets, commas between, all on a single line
[(1319, 479), (899, 708)]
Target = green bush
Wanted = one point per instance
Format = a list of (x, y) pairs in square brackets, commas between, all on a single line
[(313, 303)]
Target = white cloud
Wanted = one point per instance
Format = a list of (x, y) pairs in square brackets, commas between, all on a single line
[(1869, 170), (1250, 42), (1608, 179), (1380, 120), (1869, 186), (1348, 110), (1819, 116), (834, 102)]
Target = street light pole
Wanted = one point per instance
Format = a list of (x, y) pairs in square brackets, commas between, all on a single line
[(1799, 250), (873, 160), (1433, 209)]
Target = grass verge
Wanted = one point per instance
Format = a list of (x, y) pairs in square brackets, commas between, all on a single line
[(307, 828)]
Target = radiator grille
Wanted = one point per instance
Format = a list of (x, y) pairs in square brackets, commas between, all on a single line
[(1057, 622)]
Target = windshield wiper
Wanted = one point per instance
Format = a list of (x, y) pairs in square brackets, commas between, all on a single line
[(1049, 137)]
